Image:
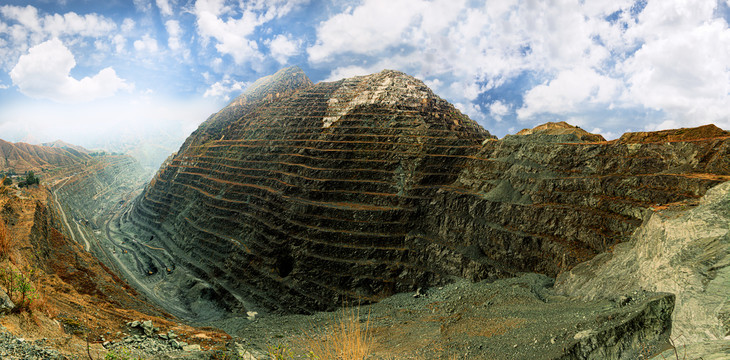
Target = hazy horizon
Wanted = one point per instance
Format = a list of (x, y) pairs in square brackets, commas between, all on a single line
[(99, 73)]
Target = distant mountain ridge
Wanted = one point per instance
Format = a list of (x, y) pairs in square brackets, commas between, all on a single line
[(21, 157), (64, 145)]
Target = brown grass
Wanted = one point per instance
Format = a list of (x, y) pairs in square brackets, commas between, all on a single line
[(4, 241), (348, 339), (42, 305)]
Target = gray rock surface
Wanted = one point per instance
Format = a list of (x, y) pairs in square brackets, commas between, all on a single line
[(684, 252), (6, 305), (13, 348)]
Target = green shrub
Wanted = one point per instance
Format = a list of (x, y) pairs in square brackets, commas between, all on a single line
[(19, 288)]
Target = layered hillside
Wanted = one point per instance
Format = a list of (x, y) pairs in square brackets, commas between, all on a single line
[(298, 196), (22, 157)]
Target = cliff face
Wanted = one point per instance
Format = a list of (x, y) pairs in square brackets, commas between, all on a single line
[(298, 196)]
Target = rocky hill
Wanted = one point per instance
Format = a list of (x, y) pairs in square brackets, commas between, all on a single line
[(299, 196), (22, 157), (561, 128)]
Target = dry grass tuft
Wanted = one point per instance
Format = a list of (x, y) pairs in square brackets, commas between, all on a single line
[(348, 339)]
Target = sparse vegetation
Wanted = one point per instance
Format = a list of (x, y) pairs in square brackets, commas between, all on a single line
[(121, 354), (19, 288), (30, 179), (280, 352), (348, 339)]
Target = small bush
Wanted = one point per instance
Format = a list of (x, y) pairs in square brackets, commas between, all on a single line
[(347, 340), (18, 287)]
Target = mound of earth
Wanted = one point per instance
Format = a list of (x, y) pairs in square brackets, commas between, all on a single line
[(561, 128)]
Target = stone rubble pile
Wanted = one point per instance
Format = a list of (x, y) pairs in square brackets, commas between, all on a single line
[(13, 348)]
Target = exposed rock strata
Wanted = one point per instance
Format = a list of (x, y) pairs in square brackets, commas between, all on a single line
[(297, 196), (685, 252)]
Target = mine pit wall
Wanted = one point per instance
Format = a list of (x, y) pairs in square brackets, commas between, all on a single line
[(98, 186), (544, 206), (272, 207)]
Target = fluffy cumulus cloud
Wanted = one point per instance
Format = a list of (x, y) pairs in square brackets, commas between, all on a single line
[(146, 44), (282, 47), (498, 109), (571, 88), (44, 72)]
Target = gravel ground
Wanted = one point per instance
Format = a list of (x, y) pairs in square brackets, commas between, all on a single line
[(518, 318), (12, 348)]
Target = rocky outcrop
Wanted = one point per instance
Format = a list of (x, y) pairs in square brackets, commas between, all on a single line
[(6, 305), (298, 197), (684, 250)]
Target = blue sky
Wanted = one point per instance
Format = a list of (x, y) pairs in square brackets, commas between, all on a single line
[(93, 72)]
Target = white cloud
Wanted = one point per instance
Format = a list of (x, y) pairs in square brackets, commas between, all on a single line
[(174, 31), (498, 110), (231, 26), (224, 88), (3, 86), (119, 43), (143, 5), (128, 25), (282, 47), (371, 27), (570, 91), (45, 73), (25, 28), (55, 25), (685, 75), (165, 8), (146, 44)]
